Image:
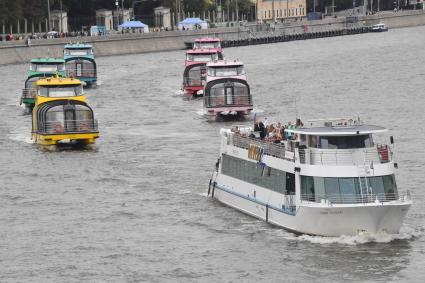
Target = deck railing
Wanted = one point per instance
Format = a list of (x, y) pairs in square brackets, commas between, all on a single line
[(28, 93), (235, 100), (68, 126), (355, 198), (288, 150), (272, 149), (88, 73)]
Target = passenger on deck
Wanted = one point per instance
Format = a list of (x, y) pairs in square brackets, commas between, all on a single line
[(298, 123), (259, 127)]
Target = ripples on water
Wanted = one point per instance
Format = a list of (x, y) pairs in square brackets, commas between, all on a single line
[(135, 209)]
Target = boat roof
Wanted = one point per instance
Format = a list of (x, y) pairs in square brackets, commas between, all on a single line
[(48, 60), (201, 51), (350, 130), (207, 39), (78, 46), (224, 63), (57, 81)]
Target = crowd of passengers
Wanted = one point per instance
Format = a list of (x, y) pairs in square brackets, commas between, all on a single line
[(271, 132)]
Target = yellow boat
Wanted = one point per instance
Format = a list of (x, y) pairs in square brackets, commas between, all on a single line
[(61, 114)]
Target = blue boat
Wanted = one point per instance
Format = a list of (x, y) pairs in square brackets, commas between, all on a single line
[(80, 62)]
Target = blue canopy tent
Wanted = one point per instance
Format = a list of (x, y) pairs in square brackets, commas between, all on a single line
[(192, 23), (134, 25)]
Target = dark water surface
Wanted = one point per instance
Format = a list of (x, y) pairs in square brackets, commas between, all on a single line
[(135, 209)]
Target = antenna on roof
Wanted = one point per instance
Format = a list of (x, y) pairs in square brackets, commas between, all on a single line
[(296, 107)]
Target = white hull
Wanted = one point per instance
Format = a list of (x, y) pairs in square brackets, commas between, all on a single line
[(322, 220)]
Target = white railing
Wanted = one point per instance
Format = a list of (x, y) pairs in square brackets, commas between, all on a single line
[(345, 156), (235, 100), (28, 93), (277, 150), (355, 198), (90, 73), (68, 126)]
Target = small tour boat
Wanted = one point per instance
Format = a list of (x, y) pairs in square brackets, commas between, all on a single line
[(80, 62), (61, 114), (209, 43), (227, 93), (195, 70), (379, 27), (329, 178), (40, 68)]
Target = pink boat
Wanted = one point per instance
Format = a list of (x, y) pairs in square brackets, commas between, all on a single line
[(227, 93), (195, 72), (209, 43)]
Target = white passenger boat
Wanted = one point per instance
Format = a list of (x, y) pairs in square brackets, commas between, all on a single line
[(329, 179)]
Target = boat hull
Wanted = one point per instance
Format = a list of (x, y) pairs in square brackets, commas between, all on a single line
[(81, 138), (321, 220), (228, 113)]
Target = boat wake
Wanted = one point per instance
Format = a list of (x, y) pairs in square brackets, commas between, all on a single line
[(20, 137), (363, 238)]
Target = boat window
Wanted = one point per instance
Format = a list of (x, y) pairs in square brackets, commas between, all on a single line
[(225, 71), (348, 190), (267, 177), (47, 67), (55, 114), (202, 57), (83, 113), (78, 52), (341, 142), (228, 93), (81, 68), (206, 45), (60, 91), (193, 76)]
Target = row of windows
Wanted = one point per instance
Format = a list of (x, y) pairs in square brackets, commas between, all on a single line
[(348, 190), (266, 177), (284, 13)]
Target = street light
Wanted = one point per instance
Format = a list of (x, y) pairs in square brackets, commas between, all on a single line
[(48, 13)]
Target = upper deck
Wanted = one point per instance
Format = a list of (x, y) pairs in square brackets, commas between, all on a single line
[(317, 145), (198, 56)]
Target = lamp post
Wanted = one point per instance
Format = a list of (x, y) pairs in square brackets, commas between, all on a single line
[(48, 14)]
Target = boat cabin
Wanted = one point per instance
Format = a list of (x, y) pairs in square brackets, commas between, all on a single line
[(40, 68), (80, 62), (56, 88), (209, 43), (195, 56), (62, 114), (227, 88)]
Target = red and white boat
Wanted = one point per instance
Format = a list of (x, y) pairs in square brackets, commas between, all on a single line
[(209, 43), (227, 92), (195, 70)]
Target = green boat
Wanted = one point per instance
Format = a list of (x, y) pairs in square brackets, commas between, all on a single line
[(80, 62), (40, 68)]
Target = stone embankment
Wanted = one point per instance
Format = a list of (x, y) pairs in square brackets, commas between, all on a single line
[(16, 51)]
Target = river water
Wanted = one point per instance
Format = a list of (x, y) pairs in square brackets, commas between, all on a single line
[(135, 208)]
